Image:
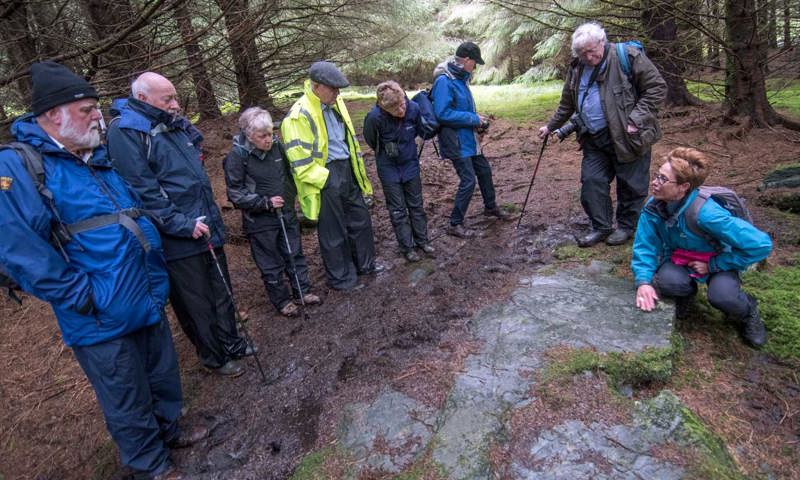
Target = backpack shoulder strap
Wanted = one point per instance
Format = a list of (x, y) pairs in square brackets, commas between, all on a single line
[(32, 160), (622, 54), (692, 213)]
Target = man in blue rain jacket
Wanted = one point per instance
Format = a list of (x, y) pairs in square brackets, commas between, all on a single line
[(105, 277), (455, 110)]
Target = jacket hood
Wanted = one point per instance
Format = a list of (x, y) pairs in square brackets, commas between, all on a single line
[(245, 147), (138, 115), (451, 69)]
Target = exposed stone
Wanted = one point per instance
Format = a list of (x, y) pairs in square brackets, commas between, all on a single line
[(388, 434)]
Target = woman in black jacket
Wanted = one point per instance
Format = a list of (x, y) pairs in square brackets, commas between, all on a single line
[(260, 184), (391, 129)]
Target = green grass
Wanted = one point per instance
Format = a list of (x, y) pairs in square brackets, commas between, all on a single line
[(311, 467), (783, 94), (517, 103), (778, 294)]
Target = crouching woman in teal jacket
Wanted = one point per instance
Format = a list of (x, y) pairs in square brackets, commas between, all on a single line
[(669, 258)]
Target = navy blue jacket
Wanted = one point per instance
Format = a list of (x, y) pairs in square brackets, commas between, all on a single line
[(167, 172), (127, 285), (455, 110), (381, 128)]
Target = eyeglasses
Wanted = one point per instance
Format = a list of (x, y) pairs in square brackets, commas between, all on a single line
[(661, 179)]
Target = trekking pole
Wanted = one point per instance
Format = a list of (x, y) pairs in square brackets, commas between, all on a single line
[(292, 265), (247, 337), (530, 187)]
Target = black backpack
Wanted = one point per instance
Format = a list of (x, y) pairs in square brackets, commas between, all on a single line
[(429, 122)]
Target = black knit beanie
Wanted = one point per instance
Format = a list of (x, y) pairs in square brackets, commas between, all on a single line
[(54, 85)]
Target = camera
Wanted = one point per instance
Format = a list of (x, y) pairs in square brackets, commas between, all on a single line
[(574, 124), (392, 149)]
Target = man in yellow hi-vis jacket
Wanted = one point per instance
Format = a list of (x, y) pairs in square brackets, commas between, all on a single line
[(331, 180)]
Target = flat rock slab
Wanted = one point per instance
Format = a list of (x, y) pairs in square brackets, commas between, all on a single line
[(583, 308)]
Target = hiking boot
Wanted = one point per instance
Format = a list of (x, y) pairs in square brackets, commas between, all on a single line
[(753, 329), (412, 256), (230, 369), (428, 248), (376, 269), (248, 352), (620, 236), (460, 231), (189, 437), (592, 239), (496, 212), (310, 299), (289, 310)]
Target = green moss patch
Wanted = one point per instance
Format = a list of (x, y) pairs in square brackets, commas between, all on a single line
[(714, 459), (778, 294), (650, 365), (572, 252)]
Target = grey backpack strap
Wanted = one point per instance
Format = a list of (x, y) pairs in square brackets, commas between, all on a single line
[(693, 212), (126, 218)]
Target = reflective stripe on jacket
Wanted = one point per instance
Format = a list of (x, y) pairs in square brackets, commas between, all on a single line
[(305, 139)]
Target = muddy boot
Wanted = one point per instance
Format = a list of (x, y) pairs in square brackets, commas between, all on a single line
[(412, 256), (753, 330), (460, 231)]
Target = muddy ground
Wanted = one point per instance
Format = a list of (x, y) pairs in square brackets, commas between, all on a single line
[(406, 328)]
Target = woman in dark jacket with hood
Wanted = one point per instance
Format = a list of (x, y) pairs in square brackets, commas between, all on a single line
[(390, 129), (259, 183)]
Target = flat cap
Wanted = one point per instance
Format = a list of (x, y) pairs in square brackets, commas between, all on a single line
[(326, 73)]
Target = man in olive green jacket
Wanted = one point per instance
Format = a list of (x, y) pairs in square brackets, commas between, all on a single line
[(328, 169), (614, 114)]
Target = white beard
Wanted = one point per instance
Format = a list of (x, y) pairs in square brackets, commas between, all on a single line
[(68, 131)]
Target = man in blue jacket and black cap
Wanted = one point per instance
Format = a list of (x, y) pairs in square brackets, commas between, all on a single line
[(75, 237), (455, 110)]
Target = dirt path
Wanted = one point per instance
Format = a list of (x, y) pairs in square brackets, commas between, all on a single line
[(405, 329)]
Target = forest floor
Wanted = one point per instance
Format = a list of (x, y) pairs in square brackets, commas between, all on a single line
[(410, 332)]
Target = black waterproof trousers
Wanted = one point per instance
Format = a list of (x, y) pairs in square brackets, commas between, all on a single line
[(724, 289), (598, 168), (273, 260), (404, 202), (204, 309), (345, 228)]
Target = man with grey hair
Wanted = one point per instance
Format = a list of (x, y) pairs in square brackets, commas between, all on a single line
[(613, 111), (158, 152), (260, 185)]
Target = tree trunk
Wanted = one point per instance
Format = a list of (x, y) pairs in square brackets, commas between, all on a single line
[(250, 82), (124, 60), (20, 43), (745, 86), (787, 24), (662, 30), (772, 24), (204, 90)]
